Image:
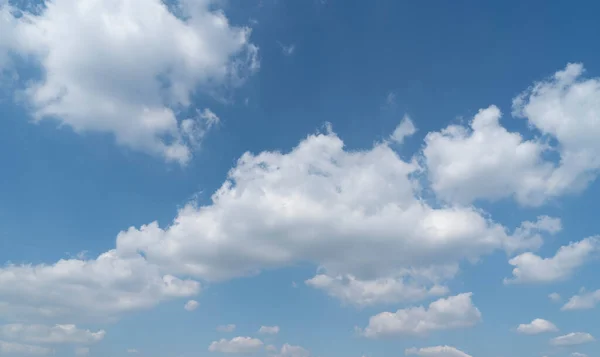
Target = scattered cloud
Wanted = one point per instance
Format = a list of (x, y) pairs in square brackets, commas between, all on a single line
[(531, 268), (537, 326), (577, 354), (443, 314), (405, 129), (268, 330), (13, 348), (237, 345), (86, 290), (436, 351), (128, 68), (226, 328), (555, 297), (191, 305), (288, 350), (410, 285), (573, 338), (41, 334), (287, 50), (585, 300)]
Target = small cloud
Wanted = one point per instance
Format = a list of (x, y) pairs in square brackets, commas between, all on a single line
[(390, 99), (191, 305), (404, 129), (572, 339), (537, 326), (237, 345), (268, 330), (294, 284), (132, 350), (577, 354), (555, 297), (287, 50), (226, 328)]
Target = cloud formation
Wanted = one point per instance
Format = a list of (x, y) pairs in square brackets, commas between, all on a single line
[(237, 345), (531, 268), (443, 314), (485, 161), (537, 326), (436, 351), (129, 68)]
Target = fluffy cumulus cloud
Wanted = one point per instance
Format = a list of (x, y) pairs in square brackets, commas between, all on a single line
[(573, 338), (371, 235), (268, 330), (237, 345), (129, 68), (444, 314), (364, 211), (537, 326), (585, 300), (531, 268), (78, 289), (485, 161), (436, 351)]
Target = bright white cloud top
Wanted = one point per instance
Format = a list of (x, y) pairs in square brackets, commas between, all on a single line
[(129, 68)]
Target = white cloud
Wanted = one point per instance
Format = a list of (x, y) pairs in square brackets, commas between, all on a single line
[(436, 351), (191, 305), (577, 354), (238, 345), (485, 161), (407, 286), (360, 223), (226, 328), (81, 290), (129, 68), (13, 348), (531, 268), (132, 350), (447, 313), (364, 209), (404, 129), (268, 330), (82, 351), (555, 297), (537, 326), (586, 300), (573, 338), (288, 350), (50, 334)]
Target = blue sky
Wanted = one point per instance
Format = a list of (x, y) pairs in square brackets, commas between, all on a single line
[(299, 178)]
